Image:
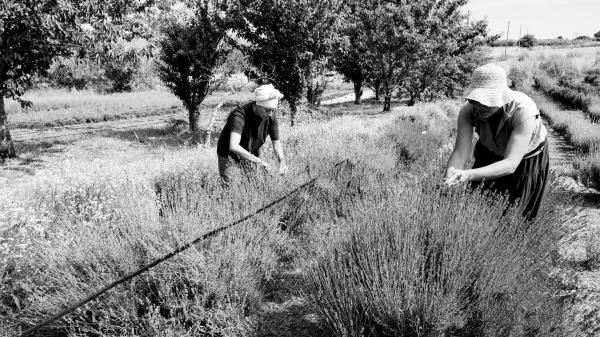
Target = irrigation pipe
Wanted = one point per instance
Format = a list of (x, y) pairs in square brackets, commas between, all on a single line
[(173, 253)]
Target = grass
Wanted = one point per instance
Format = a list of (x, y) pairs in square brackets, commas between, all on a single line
[(59, 108), (413, 257), (572, 98), (55, 107), (579, 131)]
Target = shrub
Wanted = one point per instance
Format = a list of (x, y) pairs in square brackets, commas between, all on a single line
[(559, 68), (589, 169), (527, 41), (592, 76), (419, 262), (520, 76), (503, 43)]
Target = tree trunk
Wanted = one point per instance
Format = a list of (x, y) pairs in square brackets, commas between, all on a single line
[(358, 92), (7, 149), (387, 103), (193, 118), (412, 100), (377, 87), (293, 111)]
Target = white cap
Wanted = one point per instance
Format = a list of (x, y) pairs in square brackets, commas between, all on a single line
[(267, 96)]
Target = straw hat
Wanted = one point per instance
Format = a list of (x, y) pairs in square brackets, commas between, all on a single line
[(489, 86), (267, 96)]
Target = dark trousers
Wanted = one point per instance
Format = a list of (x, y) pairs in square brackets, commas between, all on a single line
[(525, 186)]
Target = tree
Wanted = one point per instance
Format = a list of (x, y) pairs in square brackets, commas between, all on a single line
[(597, 35), (353, 62), (290, 41), (193, 48), (33, 33), (527, 41), (412, 45), (446, 67)]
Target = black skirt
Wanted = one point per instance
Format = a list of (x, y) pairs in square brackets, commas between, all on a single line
[(526, 185)]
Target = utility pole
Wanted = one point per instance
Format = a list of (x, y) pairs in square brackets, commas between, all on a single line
[(520, 31), (506, 44)]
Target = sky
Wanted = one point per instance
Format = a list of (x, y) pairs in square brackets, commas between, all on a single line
[(542, 18)]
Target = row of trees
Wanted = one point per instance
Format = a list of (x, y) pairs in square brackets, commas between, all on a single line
[(421, 49)]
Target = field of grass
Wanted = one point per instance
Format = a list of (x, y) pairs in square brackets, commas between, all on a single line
[(582, 56), (379, 247), (54, 107), (57, 108)]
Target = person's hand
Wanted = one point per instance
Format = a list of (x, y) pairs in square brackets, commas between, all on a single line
[(450, 172), (265, 166), (283, 168), (456, 177)]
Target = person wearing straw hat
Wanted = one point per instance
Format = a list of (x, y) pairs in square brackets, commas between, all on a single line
[(511, 154), (245, 132)]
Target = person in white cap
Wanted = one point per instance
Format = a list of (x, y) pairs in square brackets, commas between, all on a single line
[(246, 130), (511, 155)]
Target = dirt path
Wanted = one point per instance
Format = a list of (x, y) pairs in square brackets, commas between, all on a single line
[(581, 279)]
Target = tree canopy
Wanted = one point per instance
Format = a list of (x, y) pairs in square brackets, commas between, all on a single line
[(34, 32), (418, 47), (290, 41), (193, 48)]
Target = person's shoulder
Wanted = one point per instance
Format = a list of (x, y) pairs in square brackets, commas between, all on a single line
[(466, 108), (240, 111), (522, 100)]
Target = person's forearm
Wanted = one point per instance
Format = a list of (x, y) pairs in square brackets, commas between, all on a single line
[(457, 160), (240, 151), (278, 149), (496, 170)]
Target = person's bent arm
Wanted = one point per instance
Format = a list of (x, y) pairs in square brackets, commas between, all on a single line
[(278, 149), (462, 146), (235, 147), (515, 151)]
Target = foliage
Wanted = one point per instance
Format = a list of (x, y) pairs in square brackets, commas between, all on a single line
[(52, 29), (290, 41), (592, 76), (33, 33), (193, 50), (353, 62), (588, 167), (527, 41), (406, 41), (559, 68), (597, 35)]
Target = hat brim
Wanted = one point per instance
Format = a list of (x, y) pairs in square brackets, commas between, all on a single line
[(494, 97)]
